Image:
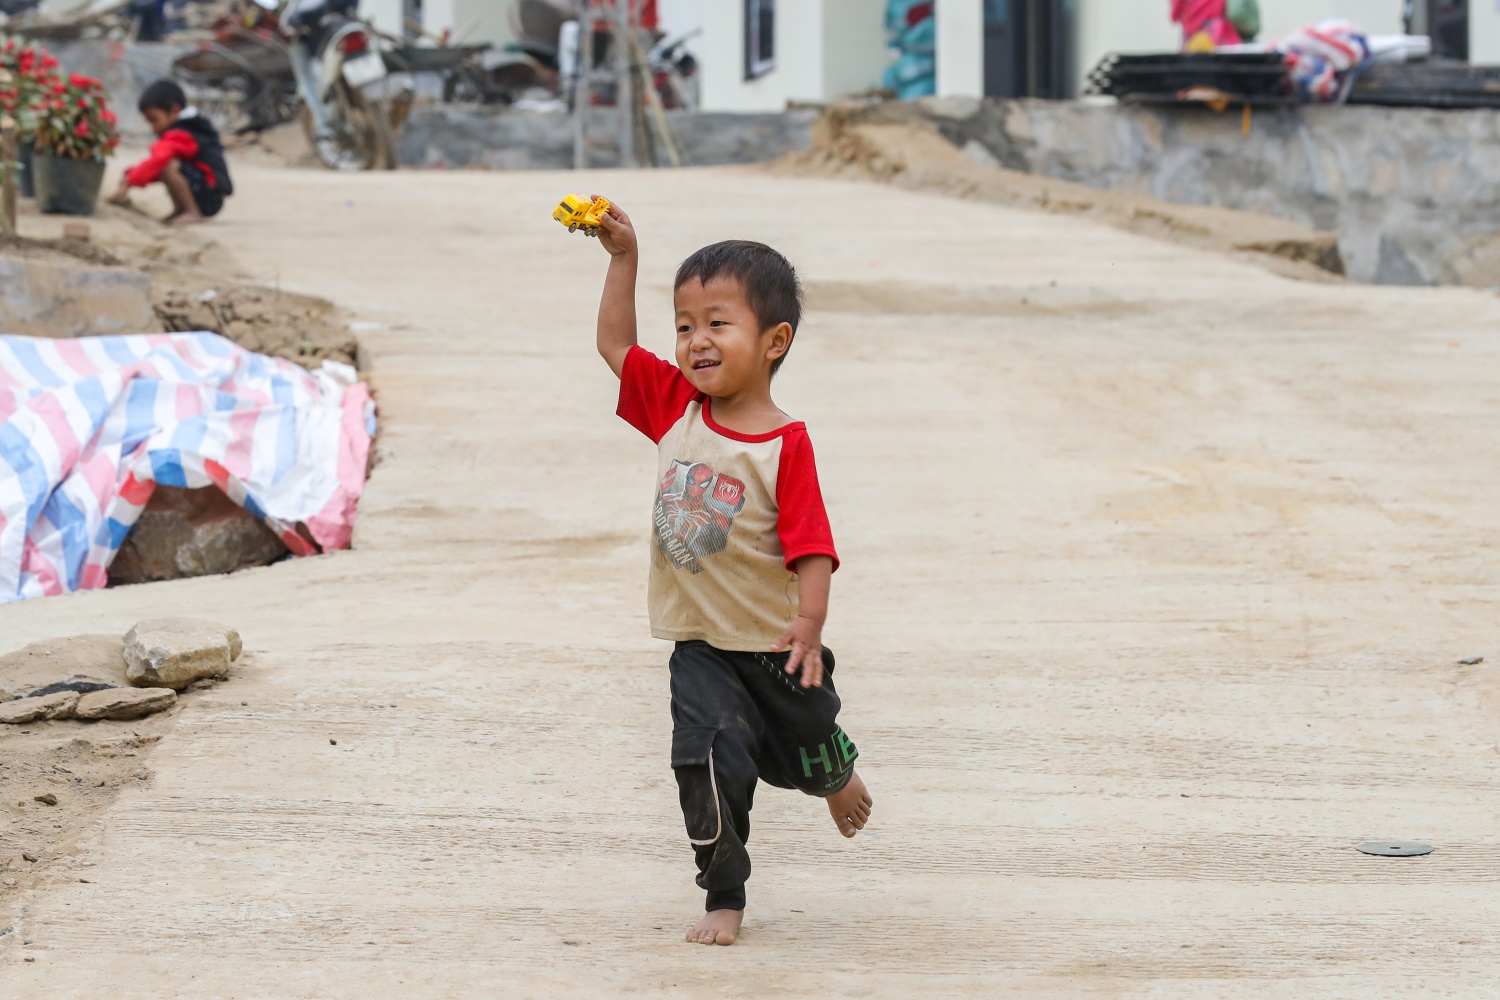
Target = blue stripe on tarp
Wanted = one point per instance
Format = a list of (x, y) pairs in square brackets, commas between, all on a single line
[(256, 365), (166, 467), (185, 371), (27, 466), (118, 350), (91, 394), (188, 435), (253, 507), (140, 412), (117, 533), (26, 353), (214, 344), (72, 527), (226, 401), (286, 426)]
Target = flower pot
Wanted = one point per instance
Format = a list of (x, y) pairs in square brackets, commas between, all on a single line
[(67, 187), (26, 175)]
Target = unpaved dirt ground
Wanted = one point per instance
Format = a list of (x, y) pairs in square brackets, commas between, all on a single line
[(195, 283), (897, 143), (1157, 572)]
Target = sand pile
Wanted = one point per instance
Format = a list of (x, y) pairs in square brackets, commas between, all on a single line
[(899, 144), (300, 328)]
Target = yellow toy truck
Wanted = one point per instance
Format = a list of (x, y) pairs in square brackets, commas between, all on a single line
[(579, 214)]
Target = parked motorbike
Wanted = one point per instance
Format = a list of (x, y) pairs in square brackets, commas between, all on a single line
[(340, 74)]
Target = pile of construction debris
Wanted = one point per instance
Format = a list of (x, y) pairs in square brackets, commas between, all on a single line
[(95, 677)]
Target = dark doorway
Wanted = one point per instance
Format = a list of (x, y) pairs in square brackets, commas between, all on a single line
[(1028, 48), (1446, 22)]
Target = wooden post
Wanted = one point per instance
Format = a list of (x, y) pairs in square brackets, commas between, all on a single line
[(8, 185)]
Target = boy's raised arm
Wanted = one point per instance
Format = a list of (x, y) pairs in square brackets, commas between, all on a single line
[(616, 334)]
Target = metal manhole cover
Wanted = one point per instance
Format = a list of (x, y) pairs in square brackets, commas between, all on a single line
[(1395, 848)]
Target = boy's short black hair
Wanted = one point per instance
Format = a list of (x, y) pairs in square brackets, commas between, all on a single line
[(164, 95), (771, 287)]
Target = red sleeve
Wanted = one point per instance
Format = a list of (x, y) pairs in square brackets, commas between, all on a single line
[(801, 519), (174, 144), (654, 394)]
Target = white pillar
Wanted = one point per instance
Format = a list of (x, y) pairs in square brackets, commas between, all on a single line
[(960, 48), (385, 15)]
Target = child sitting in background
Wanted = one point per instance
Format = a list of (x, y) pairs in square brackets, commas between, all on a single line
[(186, 157)]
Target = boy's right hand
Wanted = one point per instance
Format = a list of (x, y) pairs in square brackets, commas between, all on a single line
[(616, 234)]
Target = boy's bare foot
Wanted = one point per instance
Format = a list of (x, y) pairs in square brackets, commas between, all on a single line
[(851, 806), (185, 219), (717, 927)]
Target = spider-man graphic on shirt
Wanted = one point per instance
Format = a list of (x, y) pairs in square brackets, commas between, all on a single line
[(694, 512)]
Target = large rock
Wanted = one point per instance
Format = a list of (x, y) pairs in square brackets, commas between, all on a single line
[(52, 706), (124, 703), (75, 663), (174, 652), (45, 292), (200, 532)]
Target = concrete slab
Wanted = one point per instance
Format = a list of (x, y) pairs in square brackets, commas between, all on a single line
[(1156, 580)]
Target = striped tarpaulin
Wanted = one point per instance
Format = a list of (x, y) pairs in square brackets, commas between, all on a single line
[(88, 427)]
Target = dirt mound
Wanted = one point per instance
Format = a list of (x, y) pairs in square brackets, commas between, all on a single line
[(64, 250), (300, 328), (896, 143)]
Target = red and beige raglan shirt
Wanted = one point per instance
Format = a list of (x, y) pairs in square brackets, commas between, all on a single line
[(733, 514)]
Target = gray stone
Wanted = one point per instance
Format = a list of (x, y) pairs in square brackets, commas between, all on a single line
[(47, 298), (52, 706), (175, 652), (75, 663), (124, 703), (503, 138), (197, 532)]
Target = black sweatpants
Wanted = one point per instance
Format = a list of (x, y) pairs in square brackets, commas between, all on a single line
[(739, 717)]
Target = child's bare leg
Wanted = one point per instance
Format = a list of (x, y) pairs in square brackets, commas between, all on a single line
[(851, 806), (184, 208), (717, 927)]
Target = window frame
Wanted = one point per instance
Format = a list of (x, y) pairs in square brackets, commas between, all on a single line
[(757, 62)]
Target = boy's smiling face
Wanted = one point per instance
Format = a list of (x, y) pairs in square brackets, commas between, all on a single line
[(720, 346)]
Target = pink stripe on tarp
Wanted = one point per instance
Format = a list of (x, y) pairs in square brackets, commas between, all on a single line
[(50, 409), (72, 352), (333, 526), (189, 401), (93, 577), (46, 574), (238, 456), (98, 471)]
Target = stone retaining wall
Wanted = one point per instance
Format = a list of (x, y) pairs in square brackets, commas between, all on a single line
[(448, 135), (1411, 192)]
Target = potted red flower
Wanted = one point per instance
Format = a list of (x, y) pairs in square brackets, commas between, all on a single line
[(75, 132), (27, 76)]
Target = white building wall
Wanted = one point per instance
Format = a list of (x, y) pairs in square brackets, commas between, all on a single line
[(468, 20), (854, 45), (960, 48), (680, 17), (384, 15), (1282, 17), (1484, 33), (799, 72)]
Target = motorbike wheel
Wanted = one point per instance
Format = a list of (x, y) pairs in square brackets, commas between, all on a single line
[(361, 137)]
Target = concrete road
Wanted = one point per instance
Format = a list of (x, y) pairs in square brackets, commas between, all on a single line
[(1157, 569)]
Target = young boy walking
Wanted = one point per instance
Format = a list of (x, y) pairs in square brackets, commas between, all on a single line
[(187, 157), (742, 557)]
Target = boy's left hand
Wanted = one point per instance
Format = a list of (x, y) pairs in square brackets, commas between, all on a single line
[(804, 636)]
